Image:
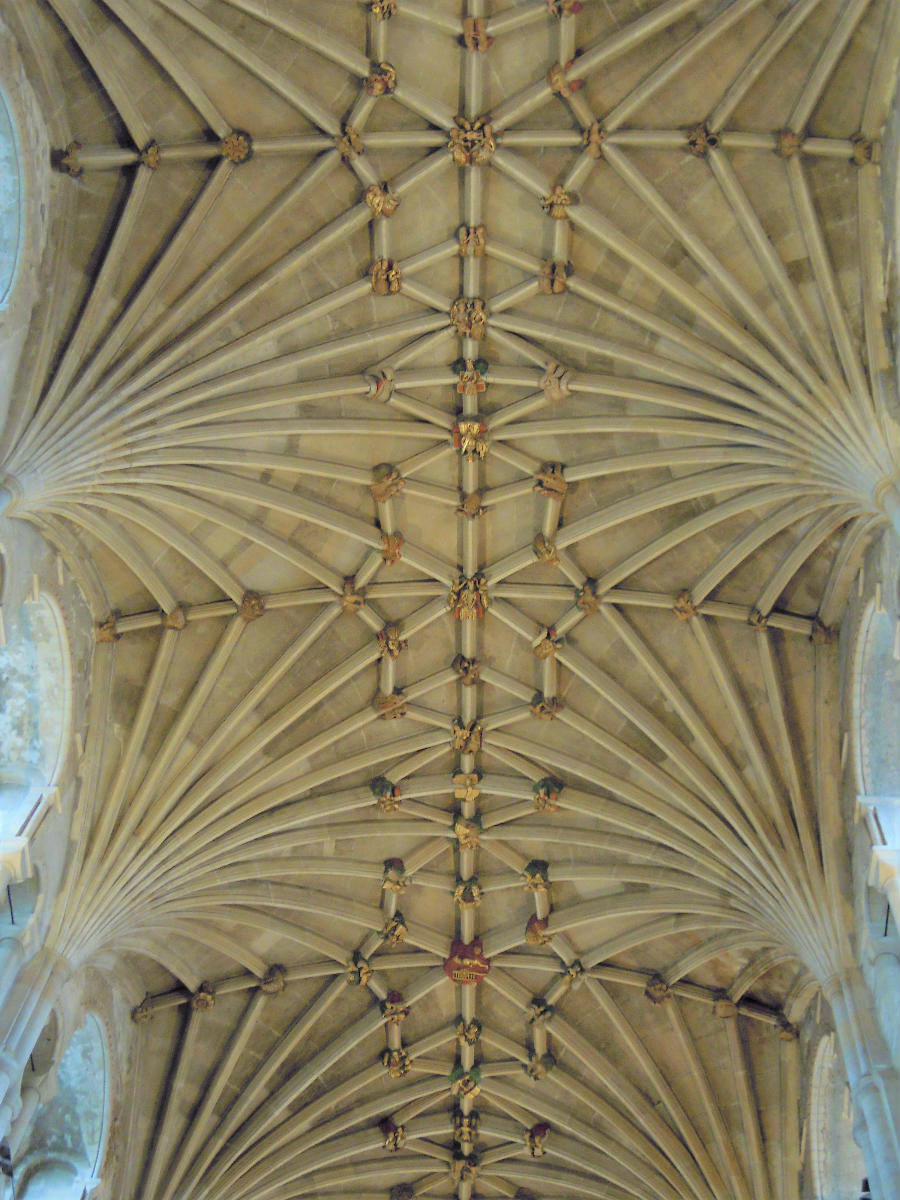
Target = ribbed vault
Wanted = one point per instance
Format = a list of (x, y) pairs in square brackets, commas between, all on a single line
[(472, 421)]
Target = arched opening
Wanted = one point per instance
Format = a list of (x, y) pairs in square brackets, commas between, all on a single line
[(10, 204), (837, 1163), (63, 1152), (34, 701)]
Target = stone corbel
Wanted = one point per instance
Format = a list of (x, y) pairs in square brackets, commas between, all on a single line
[(105, 630)]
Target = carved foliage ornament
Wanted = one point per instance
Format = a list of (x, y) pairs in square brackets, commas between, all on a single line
[(539, 1065), (150, 155), (657, 990), (587, 597), (351, 600), (237, 146), (467, 893), (468, 1032), (463, 1082), (387, 794), (467, 831), (470, 505), (536, 876), (545, 708), (397, 1063)]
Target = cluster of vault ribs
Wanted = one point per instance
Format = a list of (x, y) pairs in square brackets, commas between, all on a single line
[(466, 965), (471, 142)]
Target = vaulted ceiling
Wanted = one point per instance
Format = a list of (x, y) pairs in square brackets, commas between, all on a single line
[(467, 425)]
